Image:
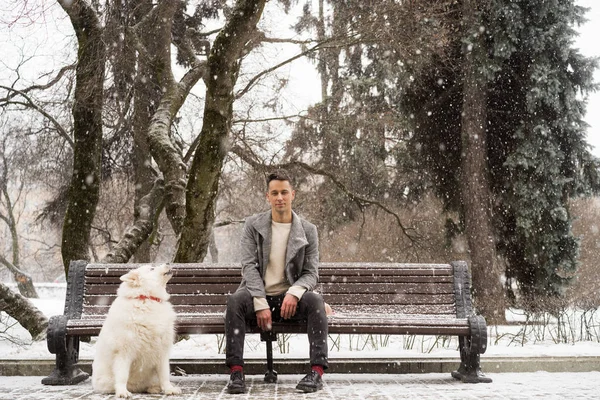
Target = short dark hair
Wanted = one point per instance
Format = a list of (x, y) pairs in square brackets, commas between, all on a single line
[(279, 175)]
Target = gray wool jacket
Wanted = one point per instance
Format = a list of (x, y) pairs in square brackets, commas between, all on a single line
[(301, 259)]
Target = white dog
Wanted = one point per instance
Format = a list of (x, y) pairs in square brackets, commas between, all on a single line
[(132, 353)]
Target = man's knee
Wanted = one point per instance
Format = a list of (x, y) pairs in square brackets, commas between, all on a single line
[(237, 300), (313, 301)]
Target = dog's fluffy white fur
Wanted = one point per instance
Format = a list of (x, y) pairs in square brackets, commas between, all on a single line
[(132, 353)]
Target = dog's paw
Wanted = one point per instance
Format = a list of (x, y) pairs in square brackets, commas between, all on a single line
[(123, 394), (154, 390), (172, 390)]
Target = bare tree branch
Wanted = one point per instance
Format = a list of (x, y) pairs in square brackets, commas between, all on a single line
[(31, 104), (252, 81), (149, 207), (292, 41), (328, 43), (228, 222), (359, 200), (51, 83), (11, 267), (22, 310), (162, 148), (202, 186), (283, 117), (24, 281)]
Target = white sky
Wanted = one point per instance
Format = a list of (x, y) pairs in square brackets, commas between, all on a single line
[(588, 44)]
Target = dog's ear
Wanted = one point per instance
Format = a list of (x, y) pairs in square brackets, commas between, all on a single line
[(133, 277)]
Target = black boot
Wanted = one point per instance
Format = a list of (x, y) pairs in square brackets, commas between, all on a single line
[(310, 383), (237, 383)]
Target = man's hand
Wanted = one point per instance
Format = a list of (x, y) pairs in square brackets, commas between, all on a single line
[(288, 307), (263, 318)]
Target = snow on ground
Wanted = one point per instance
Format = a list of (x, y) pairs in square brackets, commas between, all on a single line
[(521, 386), (503, 341)]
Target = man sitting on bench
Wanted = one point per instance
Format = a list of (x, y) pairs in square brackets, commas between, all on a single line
[(280, 257)]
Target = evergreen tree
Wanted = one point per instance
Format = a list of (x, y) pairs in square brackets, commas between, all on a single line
[(545, 158), (356, 132), (537, 155)]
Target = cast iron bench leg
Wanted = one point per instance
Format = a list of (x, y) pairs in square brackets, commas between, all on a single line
[(66, 349), (269, 338), (471, 347)]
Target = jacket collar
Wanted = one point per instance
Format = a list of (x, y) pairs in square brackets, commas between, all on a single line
[(297, 238)]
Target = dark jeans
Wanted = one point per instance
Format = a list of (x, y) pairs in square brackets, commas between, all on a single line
[(240, 312)]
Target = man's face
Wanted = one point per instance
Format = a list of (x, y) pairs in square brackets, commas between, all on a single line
[(280, 196)]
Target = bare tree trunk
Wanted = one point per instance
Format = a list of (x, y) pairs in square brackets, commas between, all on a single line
[(24, 282), (475, 189), (212, 247), (84, 189), (22, 310), (329, 70), (147, 95), (168, 193), (202, 187), (136, 87), (163, 150)]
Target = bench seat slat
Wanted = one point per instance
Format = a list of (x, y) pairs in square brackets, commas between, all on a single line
[(119, 271), (372, 288), (322, 266), (408, 309), (324, 279), (325, 270), (198, 288), (114, 279), (427, 309), (392, 324), (94, 311), (342, 299), (384, 272), (346, 288), (336, 279)]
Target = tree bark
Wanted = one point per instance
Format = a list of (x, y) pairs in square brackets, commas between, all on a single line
[(147, 94), (163, 150), (84, 189), (142, 227), (24, 281), (202, 187), (154, 52), (24, 312), (475, 189)]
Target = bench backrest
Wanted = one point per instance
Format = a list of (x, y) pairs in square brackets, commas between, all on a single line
[(390, 288)]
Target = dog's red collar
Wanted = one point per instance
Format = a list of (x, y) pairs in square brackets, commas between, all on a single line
[(144, 297)]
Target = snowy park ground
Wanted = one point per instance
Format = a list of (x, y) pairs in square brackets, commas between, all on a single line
[(527, 342), (539, 385)]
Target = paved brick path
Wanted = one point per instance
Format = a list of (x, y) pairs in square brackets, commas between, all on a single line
[(538, 385)]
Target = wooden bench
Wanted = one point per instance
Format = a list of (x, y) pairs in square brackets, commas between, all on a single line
[(368, 298)]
